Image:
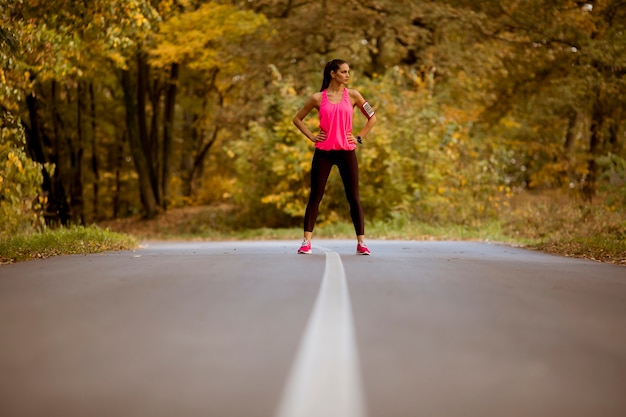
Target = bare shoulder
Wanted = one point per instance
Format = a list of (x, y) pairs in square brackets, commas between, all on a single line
[(317, 97), (355, 96), (314, 100)]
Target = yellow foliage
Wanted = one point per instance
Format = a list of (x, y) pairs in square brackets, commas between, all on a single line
[(20, 178), (14, 160), (200, 38), (510, 123)]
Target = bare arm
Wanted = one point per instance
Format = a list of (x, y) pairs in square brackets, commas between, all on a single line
[(368, 126), (312, 103), (359, 101)]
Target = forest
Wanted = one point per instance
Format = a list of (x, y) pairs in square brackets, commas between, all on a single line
[(118, 108)]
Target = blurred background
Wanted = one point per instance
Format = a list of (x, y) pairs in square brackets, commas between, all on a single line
[(505, 113)]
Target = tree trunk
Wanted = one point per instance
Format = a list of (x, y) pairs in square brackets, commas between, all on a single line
[(94, 155), (118, 160), (595, 144), (57, 210), (168, 129), (198, 163), (190, 138), (76, 194), (59, 201), (153, 139), (146, 190), (615, 131), (144, 136), (568, 146)]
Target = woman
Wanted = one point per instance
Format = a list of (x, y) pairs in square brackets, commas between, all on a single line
[(335, 144)]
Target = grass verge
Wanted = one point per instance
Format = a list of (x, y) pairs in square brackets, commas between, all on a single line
[(564, 226), (63, 241), (549, 223)]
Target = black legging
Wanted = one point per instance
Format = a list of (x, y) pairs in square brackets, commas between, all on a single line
[(323, 162)]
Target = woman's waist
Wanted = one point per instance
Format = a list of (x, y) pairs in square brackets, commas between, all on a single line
[(335, 143)]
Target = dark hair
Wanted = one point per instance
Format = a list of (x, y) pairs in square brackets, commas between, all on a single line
[(331, 66)]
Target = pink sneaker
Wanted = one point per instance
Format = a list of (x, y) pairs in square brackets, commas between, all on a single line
[(361, 249), (306, 247)]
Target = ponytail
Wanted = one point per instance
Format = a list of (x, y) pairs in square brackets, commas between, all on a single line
[(331, 66)]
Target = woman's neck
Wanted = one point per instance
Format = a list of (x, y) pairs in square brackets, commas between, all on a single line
[(335, 87), (335, 90)]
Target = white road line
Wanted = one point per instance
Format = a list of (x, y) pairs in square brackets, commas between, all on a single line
[(325, 379)]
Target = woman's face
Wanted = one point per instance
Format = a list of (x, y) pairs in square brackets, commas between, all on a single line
[(342, 75)]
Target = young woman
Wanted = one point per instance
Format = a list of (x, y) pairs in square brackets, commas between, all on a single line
[(335, 144)]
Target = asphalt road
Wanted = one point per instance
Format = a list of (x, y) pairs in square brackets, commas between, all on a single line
[(252, 329)]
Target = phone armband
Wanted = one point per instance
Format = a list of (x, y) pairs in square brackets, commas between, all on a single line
[(367, 110)]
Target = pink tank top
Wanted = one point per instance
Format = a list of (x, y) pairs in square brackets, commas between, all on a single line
[(336, 121)]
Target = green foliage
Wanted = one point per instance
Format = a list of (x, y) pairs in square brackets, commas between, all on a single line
[(61, 39), (272, 161), (63, 241), (421, 159), (20, 178)]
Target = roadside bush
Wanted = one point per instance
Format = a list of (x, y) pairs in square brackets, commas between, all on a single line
[(613, 180), (419, 161)]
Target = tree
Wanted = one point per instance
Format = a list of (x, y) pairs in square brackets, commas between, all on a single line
[(558, 74), (207, 43), (140, 104), (62, 43)]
